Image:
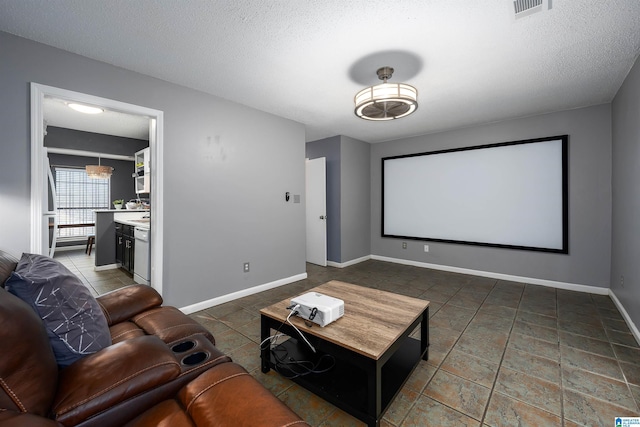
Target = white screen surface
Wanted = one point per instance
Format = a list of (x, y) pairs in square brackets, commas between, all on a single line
[(510, 194)]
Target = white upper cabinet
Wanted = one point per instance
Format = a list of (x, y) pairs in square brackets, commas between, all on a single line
[(142, 171)]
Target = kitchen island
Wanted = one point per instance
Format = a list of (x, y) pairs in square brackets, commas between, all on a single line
[(105, 250)]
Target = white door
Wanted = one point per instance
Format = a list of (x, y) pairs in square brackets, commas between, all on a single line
[(316, 195)]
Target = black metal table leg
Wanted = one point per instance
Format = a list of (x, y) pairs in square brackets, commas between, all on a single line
[(424, 334), (265, 350)]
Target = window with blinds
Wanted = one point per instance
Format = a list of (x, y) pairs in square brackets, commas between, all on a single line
[(77, 197)]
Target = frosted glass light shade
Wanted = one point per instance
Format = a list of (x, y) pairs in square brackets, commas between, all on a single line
[(386, 101), (87, 109)]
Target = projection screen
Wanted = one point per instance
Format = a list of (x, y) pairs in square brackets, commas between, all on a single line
[(508, 195)]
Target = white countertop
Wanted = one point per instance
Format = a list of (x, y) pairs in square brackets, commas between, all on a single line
[(134, 217), (120, 210), (140, 223)]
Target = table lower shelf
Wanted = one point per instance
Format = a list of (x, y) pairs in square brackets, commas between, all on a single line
[(345, 383)]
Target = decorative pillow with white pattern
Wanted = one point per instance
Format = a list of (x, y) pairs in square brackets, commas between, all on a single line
[(71, 315)]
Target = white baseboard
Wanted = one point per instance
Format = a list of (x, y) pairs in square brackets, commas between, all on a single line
[(348, 263), (625, 315), (543, 282), (106, 267), (532, 280), (71, 248), (239, 294)]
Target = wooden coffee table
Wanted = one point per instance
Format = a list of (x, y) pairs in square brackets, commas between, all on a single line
[(373, 352)]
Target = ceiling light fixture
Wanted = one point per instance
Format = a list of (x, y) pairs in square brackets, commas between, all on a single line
[(87, 109), (386, 101), (98, 171)]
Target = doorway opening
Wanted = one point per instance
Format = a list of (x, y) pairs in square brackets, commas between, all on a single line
[(40, 220)]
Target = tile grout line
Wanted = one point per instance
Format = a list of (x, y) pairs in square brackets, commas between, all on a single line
[(495, 380), (618, 362), (450, 350), (558, 303), (438, 367), (562, 390), (611, 344)]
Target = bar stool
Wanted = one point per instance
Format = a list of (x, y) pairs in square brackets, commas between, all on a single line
[(91, 239)]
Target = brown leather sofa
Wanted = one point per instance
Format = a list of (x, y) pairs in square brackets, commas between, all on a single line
[(161, 369)]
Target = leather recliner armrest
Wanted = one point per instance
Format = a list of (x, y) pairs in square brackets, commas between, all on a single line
[(124, 303), (228, 395), (23, 419), (112, 375)]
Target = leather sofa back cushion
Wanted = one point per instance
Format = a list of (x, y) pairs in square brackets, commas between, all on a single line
[(28, 370), (7, 264), (72, 317)]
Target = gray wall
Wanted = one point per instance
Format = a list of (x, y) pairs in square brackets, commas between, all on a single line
[(348, 196), (355, 196), (90, 141), (121, 180), (122, 185), (626, 194), (329, 148), (589, 258), (226, 167)]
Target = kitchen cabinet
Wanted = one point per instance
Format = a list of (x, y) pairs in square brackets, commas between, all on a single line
[(125, 246), (142, 171)]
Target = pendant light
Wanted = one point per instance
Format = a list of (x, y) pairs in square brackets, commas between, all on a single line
[(386, 101), (98, 171)]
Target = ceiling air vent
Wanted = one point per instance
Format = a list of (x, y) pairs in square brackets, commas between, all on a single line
[(524, 8)]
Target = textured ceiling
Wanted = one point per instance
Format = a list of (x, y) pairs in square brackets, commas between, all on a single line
[(304, 60)]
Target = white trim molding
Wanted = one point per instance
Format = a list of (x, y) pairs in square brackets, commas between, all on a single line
[(625, 315), (82, 153), (240, 294), (530, 280), (107, 267), (348, 263), (156, 138)]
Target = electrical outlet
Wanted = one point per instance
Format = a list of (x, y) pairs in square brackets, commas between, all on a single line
[(426, 248), (246, 267), (404, 245), (622, 281)]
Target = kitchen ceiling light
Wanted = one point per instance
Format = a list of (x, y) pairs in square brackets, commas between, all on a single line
[(87, 109), (98, 171), (386, 101)]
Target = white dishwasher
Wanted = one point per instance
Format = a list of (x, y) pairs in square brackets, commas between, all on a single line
[(141, 260)]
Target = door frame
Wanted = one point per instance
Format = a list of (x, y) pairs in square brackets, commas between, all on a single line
[(156, 140), (313, 216)]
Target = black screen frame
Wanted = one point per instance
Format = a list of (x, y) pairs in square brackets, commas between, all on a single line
[(565, 196)]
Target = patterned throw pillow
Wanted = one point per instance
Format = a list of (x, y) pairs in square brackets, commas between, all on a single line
[(74, 321)]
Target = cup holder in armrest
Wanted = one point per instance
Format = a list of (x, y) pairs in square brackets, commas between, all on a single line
[(183, 346), (195, 358)]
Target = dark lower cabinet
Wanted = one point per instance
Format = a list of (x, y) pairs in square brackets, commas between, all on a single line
[(119, 244), (125, 244)]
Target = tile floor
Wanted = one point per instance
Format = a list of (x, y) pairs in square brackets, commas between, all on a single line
[(98, 282), (502, 353)]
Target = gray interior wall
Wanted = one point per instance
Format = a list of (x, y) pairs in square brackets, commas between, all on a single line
[(121, 184), (589, 258), (91, 141), (626, 197), (355, 199), (226, 169), (329, 148)]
